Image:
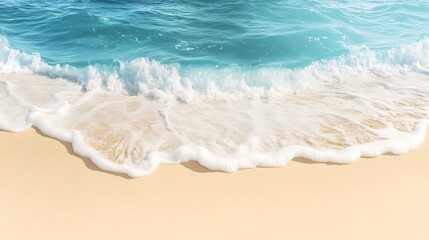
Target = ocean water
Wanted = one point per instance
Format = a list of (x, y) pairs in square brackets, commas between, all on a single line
[(230, 84)]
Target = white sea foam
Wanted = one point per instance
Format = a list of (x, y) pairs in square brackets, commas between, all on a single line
[(364, 104), (165, 82)]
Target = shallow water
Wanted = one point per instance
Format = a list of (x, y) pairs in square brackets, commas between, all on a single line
[(230, 84)]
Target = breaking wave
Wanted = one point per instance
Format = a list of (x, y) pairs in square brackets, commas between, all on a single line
[(131, 116)]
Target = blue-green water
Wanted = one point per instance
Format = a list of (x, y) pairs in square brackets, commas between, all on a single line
[(253, 33)]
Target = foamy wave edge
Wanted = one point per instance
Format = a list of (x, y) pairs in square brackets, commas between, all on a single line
[(204, 157), (407, 58), (164, 82), (243, 159)]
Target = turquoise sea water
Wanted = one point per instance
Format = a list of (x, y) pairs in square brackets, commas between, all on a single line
[(210, 33), (216, 38), (262, 80)]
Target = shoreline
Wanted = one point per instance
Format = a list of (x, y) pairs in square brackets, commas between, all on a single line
[(242, 134), (49, 193)]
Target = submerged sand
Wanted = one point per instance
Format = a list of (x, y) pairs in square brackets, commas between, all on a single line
[(47, 192)]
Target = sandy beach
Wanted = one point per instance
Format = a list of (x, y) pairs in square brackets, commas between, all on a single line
[(275, 103), (47, 192)]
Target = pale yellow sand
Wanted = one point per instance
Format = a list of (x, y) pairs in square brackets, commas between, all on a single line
[(46, 192)]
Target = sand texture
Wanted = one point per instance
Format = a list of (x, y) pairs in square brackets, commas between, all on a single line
[(47, 192)]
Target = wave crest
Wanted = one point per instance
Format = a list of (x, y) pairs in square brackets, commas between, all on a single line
[(164, 82)]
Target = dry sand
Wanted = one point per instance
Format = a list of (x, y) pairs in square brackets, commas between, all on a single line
[(47, 192)]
